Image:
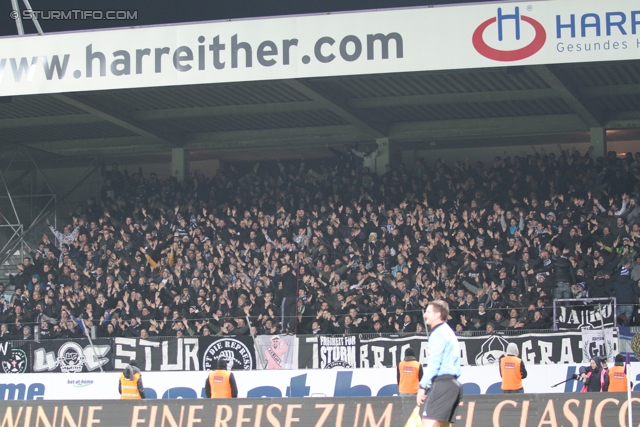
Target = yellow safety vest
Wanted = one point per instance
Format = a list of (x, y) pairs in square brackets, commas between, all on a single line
[(220, 385), (511, 374), (409, 376), (129, 388)]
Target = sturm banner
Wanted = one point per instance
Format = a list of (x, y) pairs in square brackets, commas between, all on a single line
[(338, 352), (180, 354), (277, 352), (237, 350), (72, 357), (535, 348), (587, 316)]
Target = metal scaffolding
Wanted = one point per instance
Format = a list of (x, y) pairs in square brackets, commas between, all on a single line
[(28, 210)]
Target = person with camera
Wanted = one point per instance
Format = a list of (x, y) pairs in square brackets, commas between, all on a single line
[(594, 376), (512, 370)]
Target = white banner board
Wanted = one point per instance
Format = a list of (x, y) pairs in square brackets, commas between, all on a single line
[(366, 42), (291, 383)]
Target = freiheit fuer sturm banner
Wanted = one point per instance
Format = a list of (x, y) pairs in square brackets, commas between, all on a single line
[(353, 43)]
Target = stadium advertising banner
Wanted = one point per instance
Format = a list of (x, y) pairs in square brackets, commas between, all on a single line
[(229, 412), (286, 383), (599, 409), (180, 354), (71, 357), (352, 43)]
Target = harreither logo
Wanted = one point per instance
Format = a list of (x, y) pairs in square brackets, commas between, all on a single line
[(532, 48)]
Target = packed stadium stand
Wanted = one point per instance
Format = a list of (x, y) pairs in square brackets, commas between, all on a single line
[(327, 247)]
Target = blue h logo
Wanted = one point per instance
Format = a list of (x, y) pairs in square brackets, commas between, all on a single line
[(515, 17)]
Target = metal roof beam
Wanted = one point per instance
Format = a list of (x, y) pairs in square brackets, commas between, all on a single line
[(452, 98), (610, 90), (275, 138), (498, 127), (225, 110), (623, 120), (66, 119), (98, 146), (570, 96), (110, 117), (331, 103)]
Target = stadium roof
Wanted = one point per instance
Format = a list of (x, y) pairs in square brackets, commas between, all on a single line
[(262, 117), (257, 120)]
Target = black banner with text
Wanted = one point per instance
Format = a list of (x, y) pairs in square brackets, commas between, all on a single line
[(237, 350), (564, 347), (593, 315), (338, 352), (177, 354)]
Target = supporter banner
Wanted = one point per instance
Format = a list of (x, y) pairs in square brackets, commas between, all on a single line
[(180, 354), (535, 348), (336, 44), (338, 352), (277, 352), (14, 357), (308, 352), (237, 350), (629, 341), (71, 357), (599, 343), (588, 316), (285, 383)]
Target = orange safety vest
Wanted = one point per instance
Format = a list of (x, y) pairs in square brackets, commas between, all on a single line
[(511, 373), (129, 388), (219, 384), (409, 376), (618, 379)]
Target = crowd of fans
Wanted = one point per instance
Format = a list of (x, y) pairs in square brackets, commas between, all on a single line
[(332, 248)]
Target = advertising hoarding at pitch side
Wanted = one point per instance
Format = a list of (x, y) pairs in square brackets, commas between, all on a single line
[(274, 383)]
